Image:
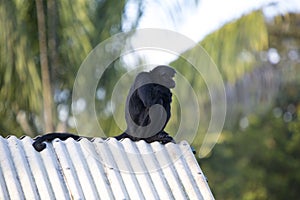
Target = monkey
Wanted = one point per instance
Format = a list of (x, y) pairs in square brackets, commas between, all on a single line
[(143, 122), (149, 89)]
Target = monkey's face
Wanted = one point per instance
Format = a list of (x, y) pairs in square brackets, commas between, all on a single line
[(166, 79), (163, 75)]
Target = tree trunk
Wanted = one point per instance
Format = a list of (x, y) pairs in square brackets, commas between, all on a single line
[(47, 94), (52, 22)]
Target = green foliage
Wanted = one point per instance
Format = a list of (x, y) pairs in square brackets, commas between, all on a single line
[(261, 161), (232, 46), (73, 29), (232, 49), (19, 75)]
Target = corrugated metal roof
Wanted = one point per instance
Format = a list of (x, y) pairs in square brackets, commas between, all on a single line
[(101, 169)]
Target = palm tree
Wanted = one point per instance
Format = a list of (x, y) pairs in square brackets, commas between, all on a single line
[(35, 73)]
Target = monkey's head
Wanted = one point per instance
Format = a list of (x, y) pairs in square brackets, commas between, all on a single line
[(164, 75)]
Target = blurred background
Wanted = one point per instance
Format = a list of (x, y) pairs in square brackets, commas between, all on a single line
[(255, 44)]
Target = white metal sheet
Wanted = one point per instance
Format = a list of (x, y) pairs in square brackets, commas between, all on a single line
[(99, 169)]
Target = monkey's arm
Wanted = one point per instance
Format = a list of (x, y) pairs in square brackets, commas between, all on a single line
[(39, 144)]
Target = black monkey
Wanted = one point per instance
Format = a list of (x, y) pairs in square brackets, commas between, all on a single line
[(149, 90), (143, 122)]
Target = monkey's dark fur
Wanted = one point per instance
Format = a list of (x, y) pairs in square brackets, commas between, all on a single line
[(149, 89)]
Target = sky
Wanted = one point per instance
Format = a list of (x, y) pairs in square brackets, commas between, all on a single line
[(208, 15), (196, 21)]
